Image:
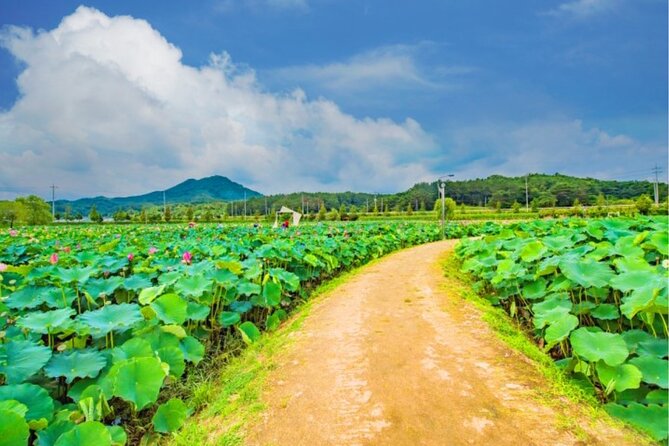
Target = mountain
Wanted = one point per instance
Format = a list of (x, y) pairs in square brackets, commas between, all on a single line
[(214, 188)]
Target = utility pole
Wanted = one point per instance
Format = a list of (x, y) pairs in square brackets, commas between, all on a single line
[(53, 201), (656, 188), (442, 192), (527, 196)]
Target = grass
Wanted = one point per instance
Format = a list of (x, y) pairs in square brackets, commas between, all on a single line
[(560, 386), (229, 399)]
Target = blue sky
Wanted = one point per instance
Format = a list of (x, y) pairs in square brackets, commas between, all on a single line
[(121, 97)]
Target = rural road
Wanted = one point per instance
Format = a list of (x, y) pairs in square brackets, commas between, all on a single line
[(391, 357)]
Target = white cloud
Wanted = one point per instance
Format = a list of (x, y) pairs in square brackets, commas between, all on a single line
[(561, 145), (582, 9), (392, 66), (107, 107)]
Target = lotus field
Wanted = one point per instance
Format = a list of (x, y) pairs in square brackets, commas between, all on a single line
[(96, 320), (594, 292)]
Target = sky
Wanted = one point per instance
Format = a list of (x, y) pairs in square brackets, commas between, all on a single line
[(121, 97)]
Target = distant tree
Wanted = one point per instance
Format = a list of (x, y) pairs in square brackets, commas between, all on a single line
[(601, 201), (10, 212), (94, 215), (534, 205), (67, 215), (167, 214), (422, 206), (449, 207), (190, 213), (409, 209), (321, 212), (208, 216), (644, 204), (516, 207), (498, 206), (121, 215), (36, 210)]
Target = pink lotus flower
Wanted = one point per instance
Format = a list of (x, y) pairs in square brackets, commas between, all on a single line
[(67, 249), (53, 259), (187, 258), (3, 267), (191, 224), (130, 257), (152, 250), (13, 232)]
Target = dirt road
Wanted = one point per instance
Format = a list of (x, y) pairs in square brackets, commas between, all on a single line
[(393, 358)]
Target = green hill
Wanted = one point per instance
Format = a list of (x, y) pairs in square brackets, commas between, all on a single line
[(205, 190)]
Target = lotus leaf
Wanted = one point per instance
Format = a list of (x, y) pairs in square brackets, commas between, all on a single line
[(658, 396), (192, 349), (35, 398), (26, 298), (194, 286), (228, 318), (137, 282), (249, 332), (535, 289), (170, 416), (138, 381), (605, 312), (633, 280), (532, 251), (197, 312), (76, 364), (86, 434), (654, 347), (587, 273), (654, 370), (14, 406), (595, 346), (618, 378), (560, 328), (132, 348), (48, 321), (271, 294), (118, 435), (15, 430), (174, 357), (147, 295), (170, 308), (114, 317), (651, 418), (22, 359)]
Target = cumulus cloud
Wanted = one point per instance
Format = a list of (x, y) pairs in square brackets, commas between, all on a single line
[(564, 146), (106, 106)]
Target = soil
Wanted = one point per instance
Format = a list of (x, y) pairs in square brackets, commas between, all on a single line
[(392, 357)]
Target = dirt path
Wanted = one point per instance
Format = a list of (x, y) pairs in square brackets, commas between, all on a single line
[(390, 358)]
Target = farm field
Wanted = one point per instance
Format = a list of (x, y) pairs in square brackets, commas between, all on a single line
[(97, 320)]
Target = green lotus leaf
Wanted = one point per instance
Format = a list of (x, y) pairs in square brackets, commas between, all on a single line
[(14, 406), (70, 275), (534, 290), (641, 299), (192, 349), (241, 306), (15, 430), (137, 282), (654, 347), (176, 330), (634, 337), (290, 280), (174, 357), (35, 398), (132, 348), (619, 378), (560, 328), (86, 434), (602, 250), (118, 435), (595, 346), (197, 312), (551, 309), (660, 240), (271, 295), (651, 419), (19, 360), (59, 297), (194, 286), (249, 332), (47, 321), (26, 298), (273, 321), (532, 251), (586, 272), (654, 370), (113, 317), (583, 307), (244, 287), (605, 312), (138, 381), (632, 264), (147, 295), (170, 308), (633, 280), (548, 266), (103, 287), (224, 277), (657, 396), (626, 247), (76, 364), (170, 416), (228, 318)]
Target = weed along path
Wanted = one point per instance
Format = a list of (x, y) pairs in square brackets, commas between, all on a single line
[(395, 357)]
